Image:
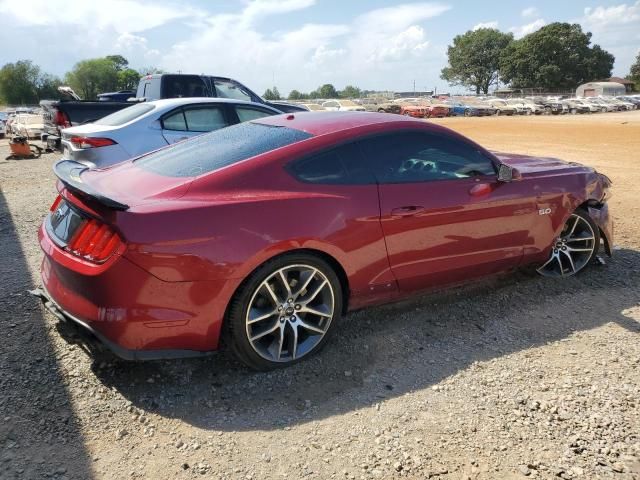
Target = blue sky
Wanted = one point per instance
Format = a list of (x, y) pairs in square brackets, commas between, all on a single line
[(300, 44)]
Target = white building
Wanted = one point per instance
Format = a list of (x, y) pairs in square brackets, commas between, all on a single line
[(596, 89)]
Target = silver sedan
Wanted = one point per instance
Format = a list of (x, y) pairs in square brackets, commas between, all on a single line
[(144, 127)]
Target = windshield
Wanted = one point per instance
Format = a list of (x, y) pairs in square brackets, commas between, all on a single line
[(125, 115), (218, 149)]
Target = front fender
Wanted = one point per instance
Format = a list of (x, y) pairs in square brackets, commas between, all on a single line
[(600, 215)]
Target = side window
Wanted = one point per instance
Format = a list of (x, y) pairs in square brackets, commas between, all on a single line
[(422, 157), (246, 114), (175, 121), (341, 165), (183, 86), (144, 92), (226, 89), (204, 119)]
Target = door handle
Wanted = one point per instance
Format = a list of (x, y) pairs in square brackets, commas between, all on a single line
[(407, 211)]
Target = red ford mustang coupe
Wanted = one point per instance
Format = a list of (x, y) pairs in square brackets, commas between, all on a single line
[(265, 233)]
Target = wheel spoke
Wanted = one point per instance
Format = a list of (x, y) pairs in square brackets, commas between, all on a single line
[(272, 294), (579, 239), (579, 249), (315, 311), (261, 317), (287, 287), (315, 292), (560, 263), (575, 224), (568, 255), (266, 332), (306, 283), (311, 328), (294, 347), (553, 257), (281, 340)]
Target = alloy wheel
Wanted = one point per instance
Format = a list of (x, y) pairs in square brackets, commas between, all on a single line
[(289, 313), (572, 250)]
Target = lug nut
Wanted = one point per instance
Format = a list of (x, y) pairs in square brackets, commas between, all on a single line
[(279, 309), (281, 319), (298, 307), (290, 300)]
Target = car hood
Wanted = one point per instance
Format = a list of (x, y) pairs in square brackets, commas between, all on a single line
[(529, 165)]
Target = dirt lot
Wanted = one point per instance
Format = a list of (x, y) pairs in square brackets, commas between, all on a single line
[(514, 377)]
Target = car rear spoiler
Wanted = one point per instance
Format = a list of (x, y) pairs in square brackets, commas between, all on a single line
[(69, 172)]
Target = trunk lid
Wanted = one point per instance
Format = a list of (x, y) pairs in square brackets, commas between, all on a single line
[(120, 187)]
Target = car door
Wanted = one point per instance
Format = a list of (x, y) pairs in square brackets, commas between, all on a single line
[(445, 216), (193, 120)]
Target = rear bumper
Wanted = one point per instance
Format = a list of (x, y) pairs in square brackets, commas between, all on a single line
[(92, 335), (132, 312)]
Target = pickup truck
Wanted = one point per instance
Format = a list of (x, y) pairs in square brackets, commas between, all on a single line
[(69, 113)]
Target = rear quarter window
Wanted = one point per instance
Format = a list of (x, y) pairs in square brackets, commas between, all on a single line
[(212, 151), (125, 115)]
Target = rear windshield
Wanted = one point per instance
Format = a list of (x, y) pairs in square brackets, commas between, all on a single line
[(125, 115), (218, 149)]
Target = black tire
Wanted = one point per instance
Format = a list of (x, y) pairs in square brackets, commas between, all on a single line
[(467, 113), (548, 111), (498, 112), (236, 335)]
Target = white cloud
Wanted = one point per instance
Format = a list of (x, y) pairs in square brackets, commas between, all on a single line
[(530, 12), (616, 29), (381, 40), (492, 24), (523, 30), (120, 15)]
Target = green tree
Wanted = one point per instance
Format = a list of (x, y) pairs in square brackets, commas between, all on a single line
[(150, 70), (47, 86), (634, 72), (119, 61), (557, 56), (19, 83), (271, 94), (91, 77), (474, 58), (351, 92), (294, 95), (128, 79), (327, 91)]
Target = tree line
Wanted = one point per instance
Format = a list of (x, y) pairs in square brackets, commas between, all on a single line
[(24, 83), (557, 56), (324, 91)]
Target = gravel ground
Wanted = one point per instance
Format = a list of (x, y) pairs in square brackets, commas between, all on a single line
[(513, 377)]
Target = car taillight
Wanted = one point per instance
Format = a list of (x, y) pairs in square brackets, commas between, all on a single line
[(61, 119), (94, 241), (55, 203), (91, 142)]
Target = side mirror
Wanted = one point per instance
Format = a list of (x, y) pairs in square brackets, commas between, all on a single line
[(508, 174)]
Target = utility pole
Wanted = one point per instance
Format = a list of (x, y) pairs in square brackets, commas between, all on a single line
[(414, 88)]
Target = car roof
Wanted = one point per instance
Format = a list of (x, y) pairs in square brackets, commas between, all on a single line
[(176, 102), (322, 123)]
